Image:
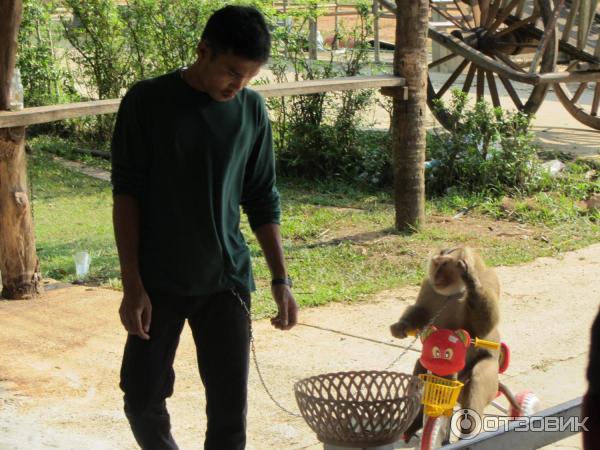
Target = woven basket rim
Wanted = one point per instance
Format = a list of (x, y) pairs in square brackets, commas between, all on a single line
[(412, 381), (411, 377), (361, 402), (348, 372)]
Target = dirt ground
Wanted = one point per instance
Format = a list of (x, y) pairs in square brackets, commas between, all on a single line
[(61, 354)]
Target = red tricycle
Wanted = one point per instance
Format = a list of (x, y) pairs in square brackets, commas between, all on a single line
[(443, 355)]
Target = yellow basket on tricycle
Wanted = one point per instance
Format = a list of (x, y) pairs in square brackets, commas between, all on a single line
[(439, 394)]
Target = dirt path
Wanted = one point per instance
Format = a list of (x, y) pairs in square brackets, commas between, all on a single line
[(60, 358)]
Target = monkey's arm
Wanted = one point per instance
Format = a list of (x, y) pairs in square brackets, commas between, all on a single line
[(483, 295), (416, 316)]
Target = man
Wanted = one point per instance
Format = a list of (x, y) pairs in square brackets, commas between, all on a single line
[(591, 399), (189, 148)]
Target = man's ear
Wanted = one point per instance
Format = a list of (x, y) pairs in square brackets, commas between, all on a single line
[(202, 50)]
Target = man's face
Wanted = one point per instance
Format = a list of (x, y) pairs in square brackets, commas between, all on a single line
[(223, 76)]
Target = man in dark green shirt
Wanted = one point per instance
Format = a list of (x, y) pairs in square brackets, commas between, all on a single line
[(591, 399), (189, 149)]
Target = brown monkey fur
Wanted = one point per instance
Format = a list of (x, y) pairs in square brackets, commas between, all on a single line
[(468, 291)]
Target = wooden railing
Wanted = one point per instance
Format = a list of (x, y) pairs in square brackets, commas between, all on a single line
[(44, 114)]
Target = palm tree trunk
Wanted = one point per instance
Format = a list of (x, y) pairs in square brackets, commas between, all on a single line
[(19, 265), (409, 138)]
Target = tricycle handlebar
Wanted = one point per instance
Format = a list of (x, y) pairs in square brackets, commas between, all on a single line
[(491, 345)]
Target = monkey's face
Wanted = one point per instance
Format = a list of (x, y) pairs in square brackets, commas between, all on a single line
[(445, 274)]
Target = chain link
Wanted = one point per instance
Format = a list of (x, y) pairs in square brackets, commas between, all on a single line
[(253, 348), (258, 371), (410, 346)]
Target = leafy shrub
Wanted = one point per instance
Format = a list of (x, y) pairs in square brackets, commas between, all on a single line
[(43, 64), (45, 77), (320, 135), (489, 150), (163, 34)]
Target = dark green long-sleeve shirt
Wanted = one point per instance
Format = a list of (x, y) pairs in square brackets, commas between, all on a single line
[(191, 162)]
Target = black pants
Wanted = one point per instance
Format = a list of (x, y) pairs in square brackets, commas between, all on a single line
[(221, 333)]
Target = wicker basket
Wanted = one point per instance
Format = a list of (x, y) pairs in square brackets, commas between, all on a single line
[(359, 409)]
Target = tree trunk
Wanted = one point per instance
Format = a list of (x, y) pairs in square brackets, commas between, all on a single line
[(409, 138), (19, 264)]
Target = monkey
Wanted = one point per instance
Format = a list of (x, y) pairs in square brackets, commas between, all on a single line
[(459, 292)]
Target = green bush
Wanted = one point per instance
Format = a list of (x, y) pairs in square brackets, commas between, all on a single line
[(103, 62), (108, 46), (488, 151), (45, 77), (321, 135), (163, 34)]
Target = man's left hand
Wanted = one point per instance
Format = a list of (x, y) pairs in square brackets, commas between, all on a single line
[(287, 310)]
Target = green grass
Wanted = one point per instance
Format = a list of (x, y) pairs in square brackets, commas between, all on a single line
[(65, 148), (339, 240), (71, 212)]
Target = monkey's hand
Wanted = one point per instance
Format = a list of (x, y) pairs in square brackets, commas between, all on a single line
[(466, 272), (400, 329)]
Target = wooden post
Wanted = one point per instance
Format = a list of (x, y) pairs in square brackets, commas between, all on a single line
[(19, 264), (334, 45), (573, 10), (312, 39), (408, 147), (376, 29), (548, 35), (587, 9), (582, 26)]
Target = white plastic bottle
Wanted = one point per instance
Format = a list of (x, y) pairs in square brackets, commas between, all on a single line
[(16, 92)]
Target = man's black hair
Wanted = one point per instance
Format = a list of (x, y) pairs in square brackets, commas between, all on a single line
[(240, 29)]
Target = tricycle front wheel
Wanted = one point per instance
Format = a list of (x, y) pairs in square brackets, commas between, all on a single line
[(435, 432)]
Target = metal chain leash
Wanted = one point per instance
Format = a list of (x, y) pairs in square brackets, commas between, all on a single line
[(253, 349), (410, 346), (406, 350), (258, 371)]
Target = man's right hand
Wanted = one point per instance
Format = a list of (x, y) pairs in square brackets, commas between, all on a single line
[(136, 313)]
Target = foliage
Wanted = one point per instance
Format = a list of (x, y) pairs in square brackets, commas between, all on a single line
[(579, 181), (338, 237), (45, 77), (108, 45), (96, 32), (489, 150), (320, 134), (163, 34)]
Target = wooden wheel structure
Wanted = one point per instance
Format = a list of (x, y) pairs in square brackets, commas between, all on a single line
[(580, 52), (492, 48), (510, 51)]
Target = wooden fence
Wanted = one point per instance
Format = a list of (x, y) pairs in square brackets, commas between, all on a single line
[(44, 114)]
